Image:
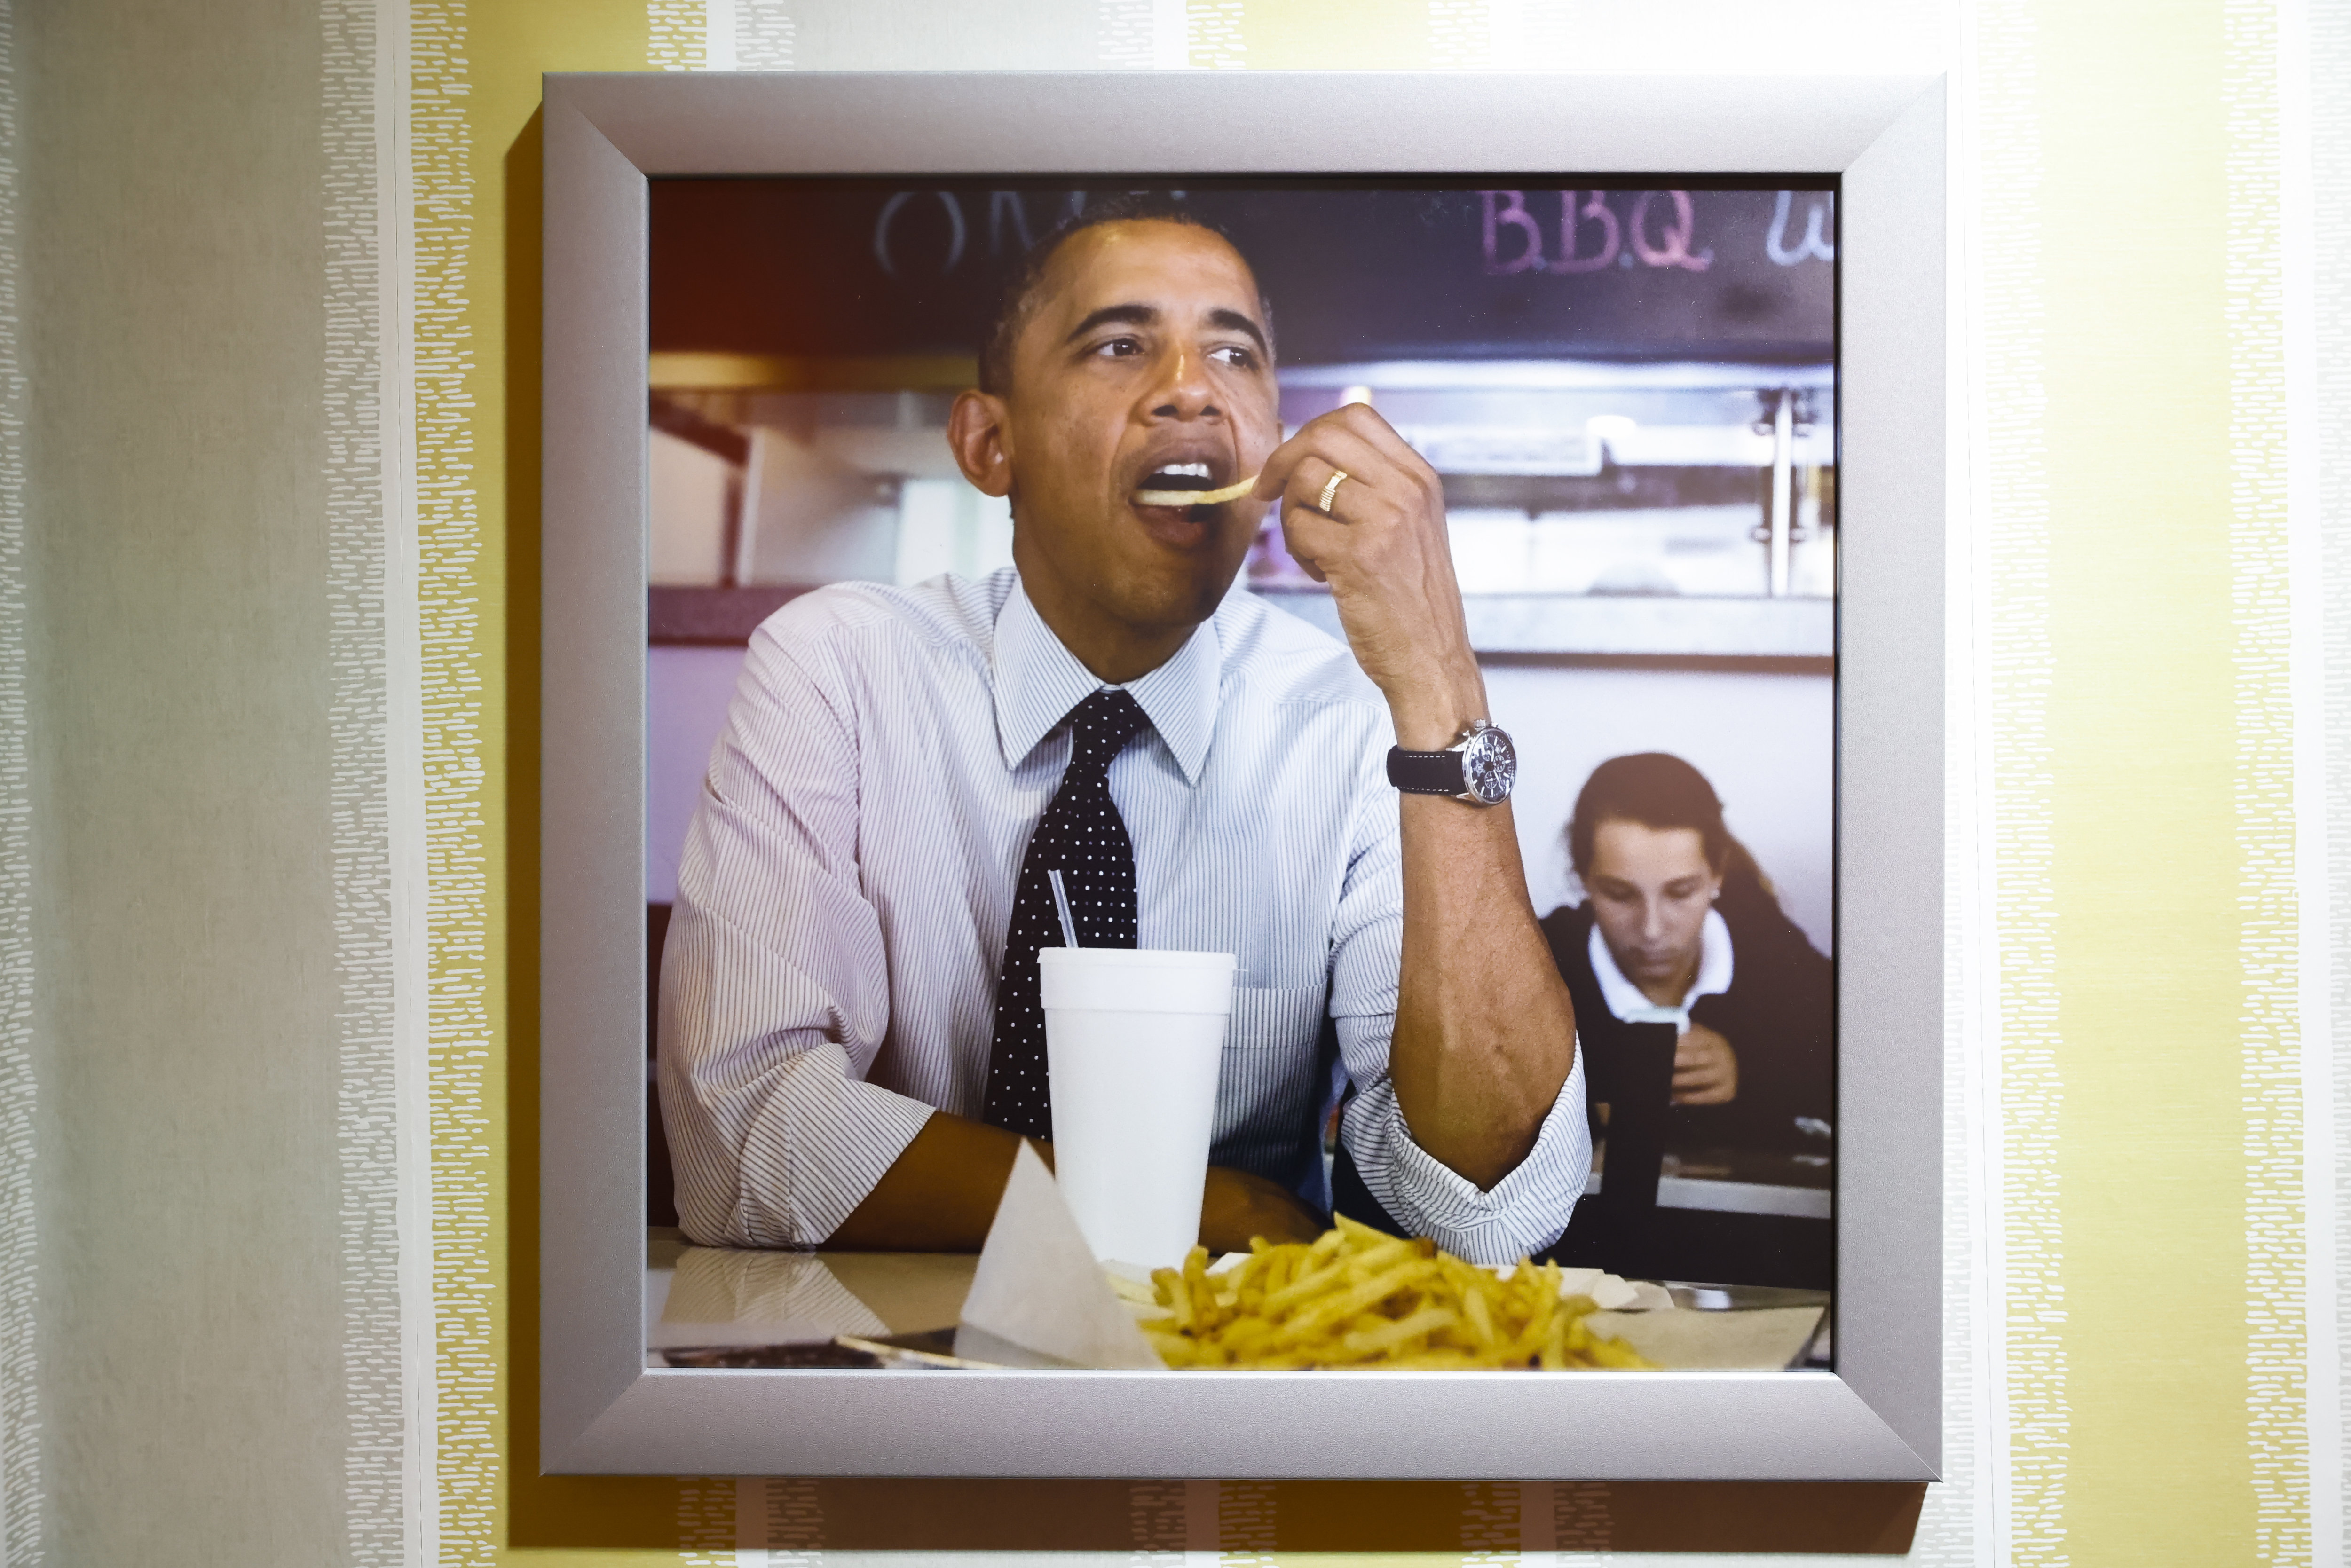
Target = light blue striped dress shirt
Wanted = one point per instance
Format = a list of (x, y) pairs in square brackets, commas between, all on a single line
[(831, 967)]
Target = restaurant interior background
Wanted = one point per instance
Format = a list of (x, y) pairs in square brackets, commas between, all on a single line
[(1638, 443), (267, 614)]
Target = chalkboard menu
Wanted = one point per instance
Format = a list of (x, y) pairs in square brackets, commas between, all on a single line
[(1355, 272)]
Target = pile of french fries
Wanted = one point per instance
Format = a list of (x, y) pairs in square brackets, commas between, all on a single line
[(1356, 1298)]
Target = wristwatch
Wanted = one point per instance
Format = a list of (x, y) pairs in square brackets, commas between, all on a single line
[(1478, 768)]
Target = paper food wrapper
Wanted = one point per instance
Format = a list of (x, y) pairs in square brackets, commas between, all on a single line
[(1607, 1292), (1038, 1298), (1766, 1340)]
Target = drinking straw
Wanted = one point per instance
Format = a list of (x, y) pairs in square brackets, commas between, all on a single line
[(1061, 903)]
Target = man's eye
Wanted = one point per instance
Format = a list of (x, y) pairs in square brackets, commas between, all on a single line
[(1119, 348), (1235, 355)]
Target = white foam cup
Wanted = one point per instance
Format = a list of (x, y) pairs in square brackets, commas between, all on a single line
[(1132, 1042)]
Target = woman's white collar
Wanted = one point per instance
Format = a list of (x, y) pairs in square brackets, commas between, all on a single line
[(1628, 1002)]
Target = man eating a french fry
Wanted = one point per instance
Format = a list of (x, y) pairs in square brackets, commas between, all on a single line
[(851, 1044)]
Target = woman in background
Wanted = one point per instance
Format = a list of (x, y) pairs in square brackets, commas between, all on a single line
[(1679, 928)]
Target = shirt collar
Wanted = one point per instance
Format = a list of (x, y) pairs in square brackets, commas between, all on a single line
[(1631, 1005), (1039, 681)]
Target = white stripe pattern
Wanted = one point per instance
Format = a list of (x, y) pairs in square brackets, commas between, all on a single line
[(24, 1519), (2315, 60), (831, 968), (384, 1490)]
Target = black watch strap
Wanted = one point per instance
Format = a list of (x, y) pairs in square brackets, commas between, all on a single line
[(1425, 772)]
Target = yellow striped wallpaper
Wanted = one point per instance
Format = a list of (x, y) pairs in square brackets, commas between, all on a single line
[(2139, 870)]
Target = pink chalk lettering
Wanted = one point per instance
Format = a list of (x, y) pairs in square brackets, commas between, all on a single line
[(1517, 217), (1675, 249), (1571, 223)]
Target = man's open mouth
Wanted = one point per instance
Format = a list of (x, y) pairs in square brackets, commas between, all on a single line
[(1177, 478)]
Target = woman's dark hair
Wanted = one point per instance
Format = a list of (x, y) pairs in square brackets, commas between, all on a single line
[(1018, 298), (1662, 792)]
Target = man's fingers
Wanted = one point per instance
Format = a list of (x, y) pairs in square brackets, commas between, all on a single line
[(1275, 475), (1361, 500), (1312, 540), (1371, 487), (1299, 540), (1309, 480), (1366, 424), (1353, 438), (1306, 562)]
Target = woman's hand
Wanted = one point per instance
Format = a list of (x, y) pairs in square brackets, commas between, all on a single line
[(1706, 1070)]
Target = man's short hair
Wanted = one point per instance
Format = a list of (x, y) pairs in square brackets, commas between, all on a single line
[(1017, 301)]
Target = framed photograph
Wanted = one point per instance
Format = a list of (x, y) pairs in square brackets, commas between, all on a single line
[(1663, 357)]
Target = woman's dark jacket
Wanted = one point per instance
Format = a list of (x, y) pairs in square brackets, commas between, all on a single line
[(1779, 1015), (1779, 1018)]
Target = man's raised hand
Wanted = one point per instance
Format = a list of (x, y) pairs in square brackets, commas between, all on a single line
[(1382, 548)]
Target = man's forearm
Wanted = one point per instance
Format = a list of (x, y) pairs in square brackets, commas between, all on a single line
[(941, 1197), (1485, 1034)]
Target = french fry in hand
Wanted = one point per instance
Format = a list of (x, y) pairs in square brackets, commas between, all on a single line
[(1232, 492)]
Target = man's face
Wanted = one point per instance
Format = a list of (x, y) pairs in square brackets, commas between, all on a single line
[(1145, 351)]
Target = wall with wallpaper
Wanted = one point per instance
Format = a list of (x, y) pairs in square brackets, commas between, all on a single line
[(266, 633)]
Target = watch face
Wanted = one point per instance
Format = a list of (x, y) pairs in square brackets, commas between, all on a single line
[(1489, 766)]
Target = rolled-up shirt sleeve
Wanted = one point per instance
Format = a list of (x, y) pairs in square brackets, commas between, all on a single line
[(1527, 1209), (775, 994)]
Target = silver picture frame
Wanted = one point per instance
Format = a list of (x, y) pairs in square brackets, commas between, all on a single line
[(1878, 1415)]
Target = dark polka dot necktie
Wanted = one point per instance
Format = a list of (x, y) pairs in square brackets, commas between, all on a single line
[(1081, 836)]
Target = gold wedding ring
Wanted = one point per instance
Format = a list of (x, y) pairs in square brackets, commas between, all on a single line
[(1331, 488)]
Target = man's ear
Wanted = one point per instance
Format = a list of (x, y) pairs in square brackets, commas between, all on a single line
[(983, 447)]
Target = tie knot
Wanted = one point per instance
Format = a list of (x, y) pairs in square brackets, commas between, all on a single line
[(1102, 725)]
